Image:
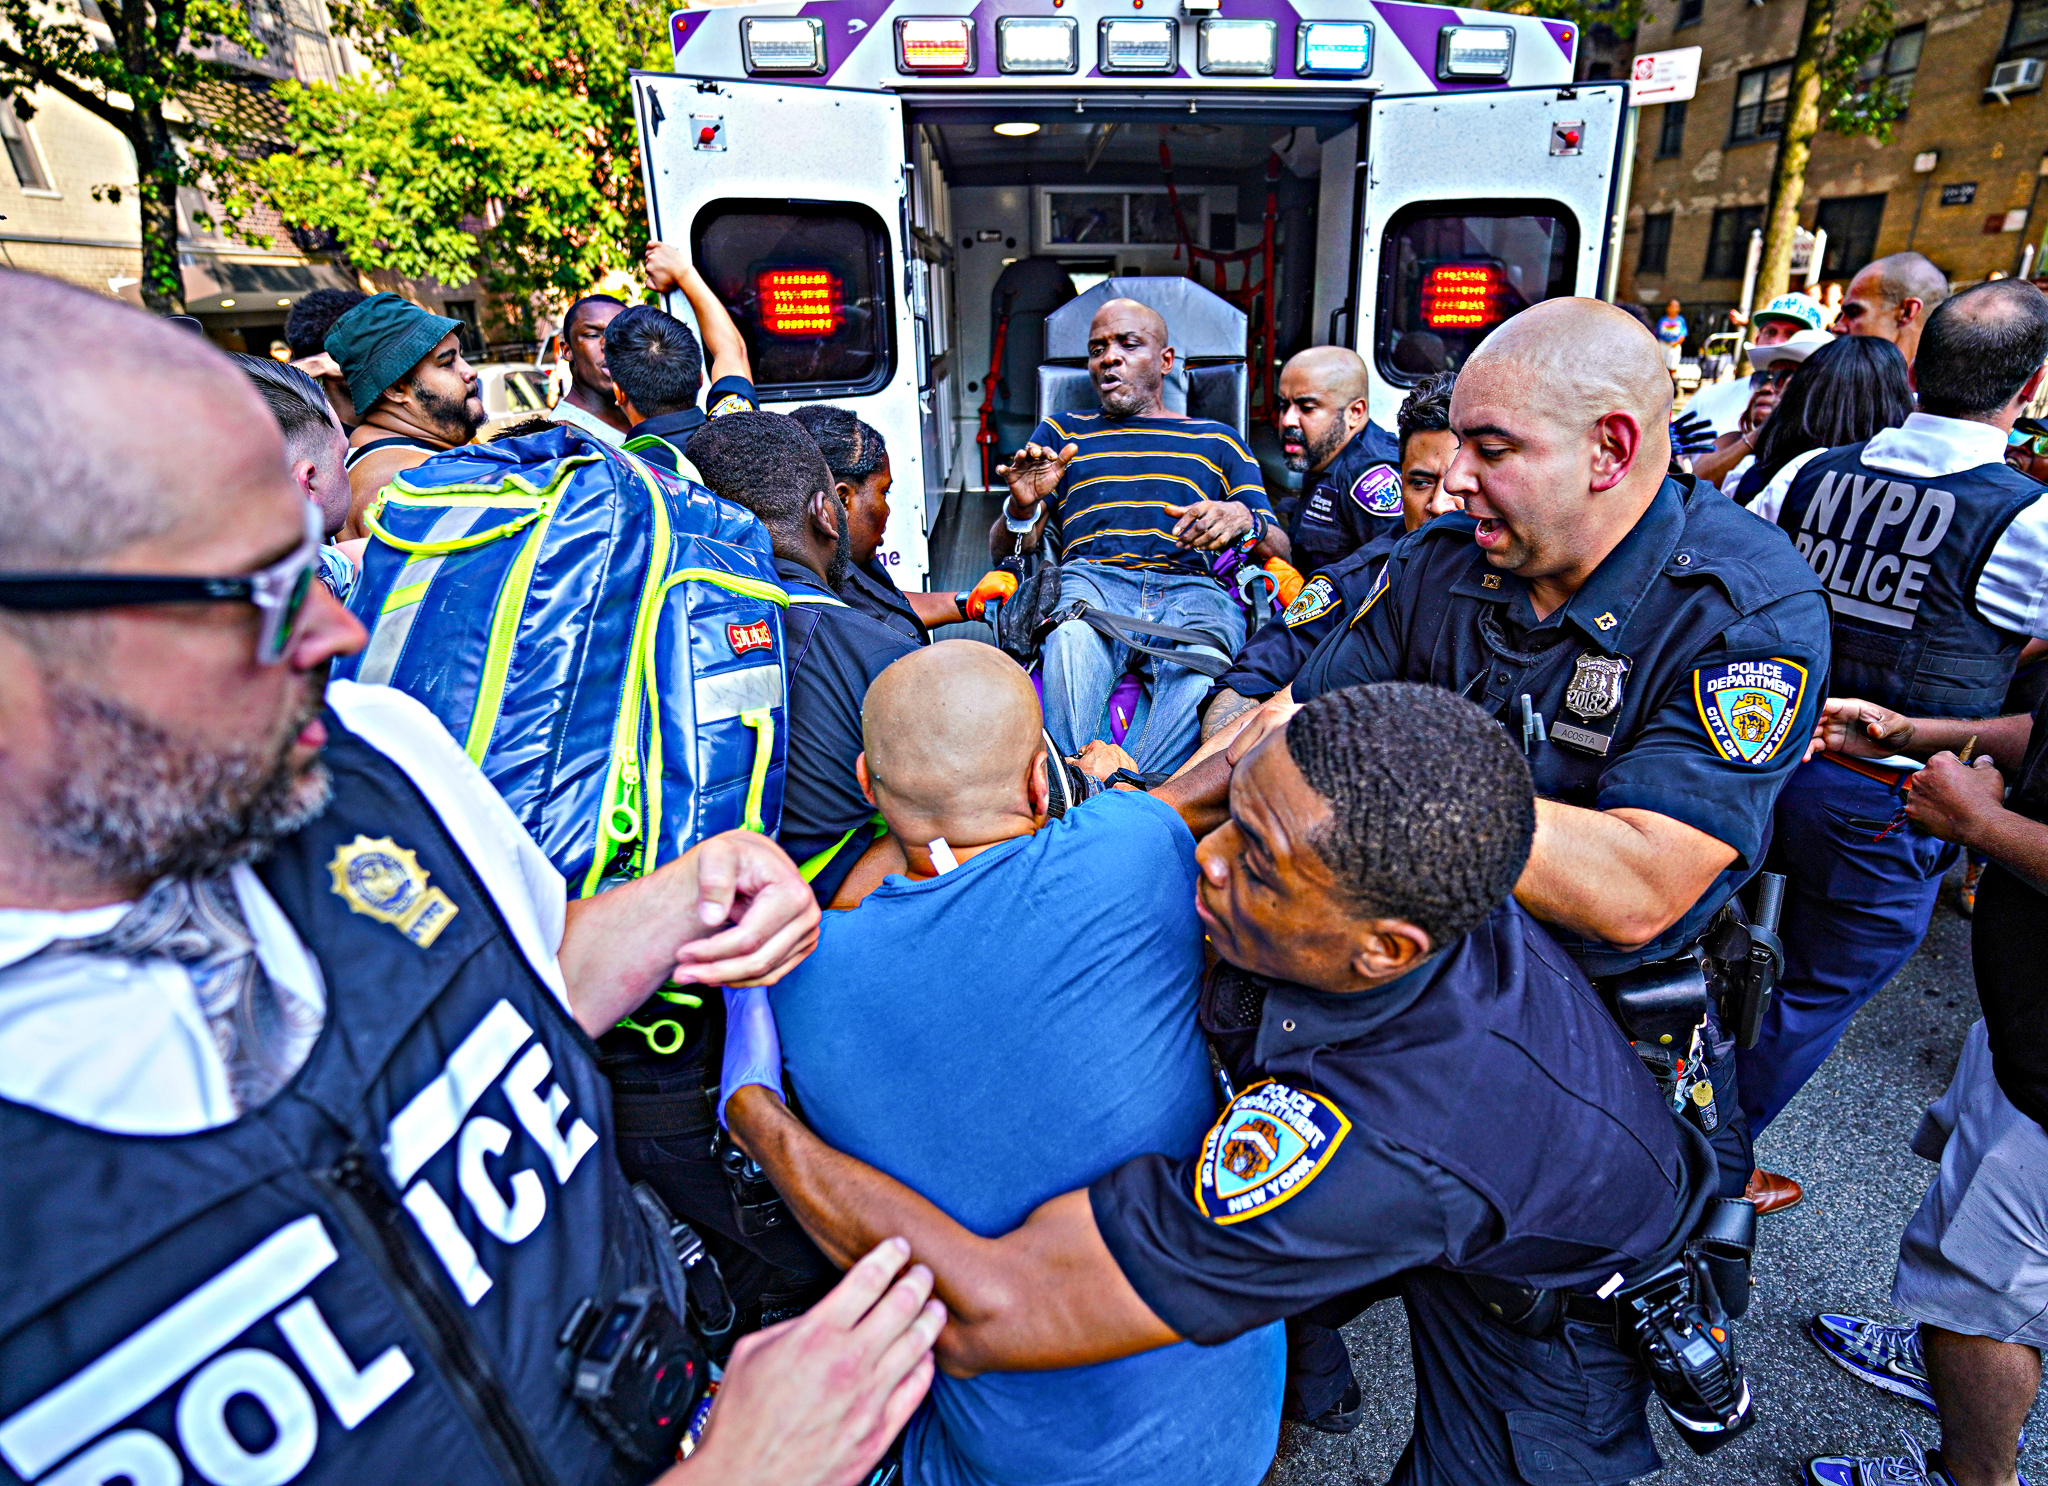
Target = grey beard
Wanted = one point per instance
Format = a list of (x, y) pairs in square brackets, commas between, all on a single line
[(1312, 455), (138, 804), (1126, 401)]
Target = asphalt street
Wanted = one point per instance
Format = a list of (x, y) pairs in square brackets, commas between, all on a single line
[(1845, 1139)]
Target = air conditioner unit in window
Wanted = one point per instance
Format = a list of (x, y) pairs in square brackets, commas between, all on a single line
[(2020, 75)]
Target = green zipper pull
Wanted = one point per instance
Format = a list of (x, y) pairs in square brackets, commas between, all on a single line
[(623, 819)]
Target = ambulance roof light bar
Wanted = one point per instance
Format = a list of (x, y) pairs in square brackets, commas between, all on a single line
[(1333, 49), (1474, 53), (935, 44), (1038, 44), (1129, 44), (1236, 47), (783, 46)]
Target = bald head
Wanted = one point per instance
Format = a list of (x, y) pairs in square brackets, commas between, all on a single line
[(116, 428), (1128, 359), (1118, 314), (1338, 372), (1322, 405), (1891, 298), (1588, 357), (1903, 276), (951, 732)]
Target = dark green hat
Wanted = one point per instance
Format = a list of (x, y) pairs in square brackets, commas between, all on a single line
[(379, 341)]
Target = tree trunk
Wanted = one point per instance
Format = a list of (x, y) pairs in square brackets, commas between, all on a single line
[(156, 161), (1795, 148)]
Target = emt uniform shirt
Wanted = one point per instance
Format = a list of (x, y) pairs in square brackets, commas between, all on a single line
[(727, 395), (1684, 676), (869, 587), (1356, 499), (1111, 503)]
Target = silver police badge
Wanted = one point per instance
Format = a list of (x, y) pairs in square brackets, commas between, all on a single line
[(1596, 686)]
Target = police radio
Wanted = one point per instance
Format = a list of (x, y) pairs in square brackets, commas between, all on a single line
[(1681, 1332)]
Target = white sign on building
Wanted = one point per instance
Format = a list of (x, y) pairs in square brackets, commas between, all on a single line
[(1664, 77)]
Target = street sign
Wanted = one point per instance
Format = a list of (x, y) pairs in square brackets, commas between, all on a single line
[(1664, 77)]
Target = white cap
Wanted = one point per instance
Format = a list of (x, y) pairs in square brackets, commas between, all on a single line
[(1802, 345)]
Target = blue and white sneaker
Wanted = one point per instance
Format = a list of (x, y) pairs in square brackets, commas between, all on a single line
[(1917, 1467), (1886, 1357)]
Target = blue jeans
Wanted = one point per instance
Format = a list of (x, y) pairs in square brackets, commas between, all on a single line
[(1080, 667)]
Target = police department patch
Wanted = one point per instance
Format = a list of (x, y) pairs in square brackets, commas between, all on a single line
[(1378, 490), (732, 402), (1317, 597), (1748, 706), (1272, 1141)]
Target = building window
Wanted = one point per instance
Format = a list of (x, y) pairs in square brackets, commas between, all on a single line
[(1689, 12), (22, 153), (1894, 65), (2027, 33), (1851, 223), (1656, 243), (1761, 97), (1728, 241), (1671, 138)]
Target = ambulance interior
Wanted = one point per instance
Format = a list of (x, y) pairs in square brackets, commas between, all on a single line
[(1014, 209)]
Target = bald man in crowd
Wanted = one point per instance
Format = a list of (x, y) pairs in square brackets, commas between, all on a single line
[(1350, 470), (1011, 1017), (1892, 297), (1660, 663)]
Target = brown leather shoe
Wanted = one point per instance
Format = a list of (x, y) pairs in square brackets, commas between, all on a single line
[(1771, 1192)]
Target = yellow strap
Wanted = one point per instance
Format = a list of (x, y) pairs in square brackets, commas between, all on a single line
[(453, 544), (762, 721), (810, 869)]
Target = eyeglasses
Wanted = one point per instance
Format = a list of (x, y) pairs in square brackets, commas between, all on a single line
[(2022, 442), (279, 591)]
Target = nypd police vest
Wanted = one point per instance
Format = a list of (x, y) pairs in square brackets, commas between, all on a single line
[(363, 1280), (1899, 560)]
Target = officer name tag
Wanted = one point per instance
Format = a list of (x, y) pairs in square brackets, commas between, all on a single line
[(382, 880), (1271, 1142)]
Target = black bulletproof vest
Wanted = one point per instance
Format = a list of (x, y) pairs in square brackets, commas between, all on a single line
[(1899, 560), (1509, 1073), (380, 1258)]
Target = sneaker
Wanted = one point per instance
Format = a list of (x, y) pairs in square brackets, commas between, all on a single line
[(1886, 1357), (1915, 1468)]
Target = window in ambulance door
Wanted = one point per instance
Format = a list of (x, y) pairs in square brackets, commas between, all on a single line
[(1451, 271), (808, 285)]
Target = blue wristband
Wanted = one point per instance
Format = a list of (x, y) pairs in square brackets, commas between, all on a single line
[(753, 1046)]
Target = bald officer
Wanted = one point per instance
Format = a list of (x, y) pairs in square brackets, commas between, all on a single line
[(1668, 656), (1350, 476)]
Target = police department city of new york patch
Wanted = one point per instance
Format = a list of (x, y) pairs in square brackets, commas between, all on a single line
[(382, 880), (1271, 1142), (732, 402), (1378, 491), (1748, 706), (1317, 597)]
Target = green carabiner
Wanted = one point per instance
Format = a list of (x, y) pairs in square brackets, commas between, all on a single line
[(667, 1029)]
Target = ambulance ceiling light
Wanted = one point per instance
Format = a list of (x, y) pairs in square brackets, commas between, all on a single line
[(1463, 296), (1474, 53), (1017, 130), (800, 301), (935, 44), (1038, 43), (1236, 47), (1333, 49), (1132, 45), (783, 45)]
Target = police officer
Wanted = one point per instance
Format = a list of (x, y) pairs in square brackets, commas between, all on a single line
[(308, 1162), (1427, 1098), (1275, 653), (1350, 488), (1657, 657), (1934, 556)]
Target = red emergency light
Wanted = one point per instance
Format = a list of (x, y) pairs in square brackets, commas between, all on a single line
[(800, 301), (1463, 296)]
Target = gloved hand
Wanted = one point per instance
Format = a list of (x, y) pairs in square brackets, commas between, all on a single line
[(1690, 435), (753, 1046), (995, 584), (1288, 578)]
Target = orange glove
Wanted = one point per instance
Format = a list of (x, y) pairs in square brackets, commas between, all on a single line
[(1287, 576), (995, 584)]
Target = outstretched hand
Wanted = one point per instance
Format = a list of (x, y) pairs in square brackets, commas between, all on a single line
[(1860, 729), (1035, 471)]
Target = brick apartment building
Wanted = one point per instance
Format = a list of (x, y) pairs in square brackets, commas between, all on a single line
[(1961, 180)]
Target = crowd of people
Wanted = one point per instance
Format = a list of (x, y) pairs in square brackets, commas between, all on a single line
[(1362, 890)]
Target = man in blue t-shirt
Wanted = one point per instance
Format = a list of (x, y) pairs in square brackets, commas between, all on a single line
[(1011, 1018), (1142, 503)]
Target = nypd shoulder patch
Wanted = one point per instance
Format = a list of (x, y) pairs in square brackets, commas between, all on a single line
[(732, 402), (1378, 491), (1317, 597), (1748, 706), (1271, 1142)]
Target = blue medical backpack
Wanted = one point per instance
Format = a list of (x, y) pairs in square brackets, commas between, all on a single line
[(603, 638)]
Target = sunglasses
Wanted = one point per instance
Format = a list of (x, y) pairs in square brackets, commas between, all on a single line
[(279, 591), (2035, 444)]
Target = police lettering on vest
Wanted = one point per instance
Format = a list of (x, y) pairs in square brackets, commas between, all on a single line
[(1899, 560), (362, 1280)]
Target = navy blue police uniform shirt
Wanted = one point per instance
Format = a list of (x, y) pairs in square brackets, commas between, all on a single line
[(835, 653), (1111, 503), (1683, 678), (1274, 656), (1356, 498), (870, 588), (727, 395)]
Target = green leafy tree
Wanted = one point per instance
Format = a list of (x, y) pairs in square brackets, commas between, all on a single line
[(1618, 18), (496, 138), (166, 82), (1827, 92)]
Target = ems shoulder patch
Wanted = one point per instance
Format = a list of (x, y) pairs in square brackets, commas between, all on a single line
[(1379, 586), (1317, 597), (732, 402), (1378, 490), (1271, 1142), (1748, 706)]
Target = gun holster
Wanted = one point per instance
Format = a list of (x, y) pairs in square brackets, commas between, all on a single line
[(1659, 1005), (1743, 961)]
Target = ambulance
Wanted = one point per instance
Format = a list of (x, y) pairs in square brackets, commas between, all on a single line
[(894, 196)]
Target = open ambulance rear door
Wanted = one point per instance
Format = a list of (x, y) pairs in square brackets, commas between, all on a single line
[(790, 200)]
